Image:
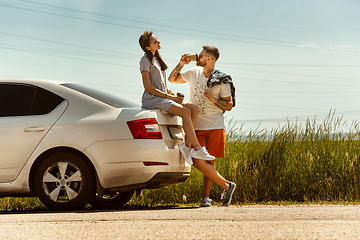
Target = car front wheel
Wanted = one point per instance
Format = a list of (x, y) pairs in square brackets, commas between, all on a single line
[(64, 181)]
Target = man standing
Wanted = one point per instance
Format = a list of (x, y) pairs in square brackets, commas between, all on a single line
[(212, 101)]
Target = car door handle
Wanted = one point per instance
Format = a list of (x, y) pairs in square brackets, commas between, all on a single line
[(34, 129)]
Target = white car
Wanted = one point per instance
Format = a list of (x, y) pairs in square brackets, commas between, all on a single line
[(70, 145)]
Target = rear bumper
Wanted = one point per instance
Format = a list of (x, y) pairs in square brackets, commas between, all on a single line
[(120, 163), (164, 179), (159, 180)]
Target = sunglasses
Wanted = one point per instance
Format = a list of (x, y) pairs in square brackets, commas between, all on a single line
[(200, 56)]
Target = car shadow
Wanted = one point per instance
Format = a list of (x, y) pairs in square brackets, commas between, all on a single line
[(91, 210)]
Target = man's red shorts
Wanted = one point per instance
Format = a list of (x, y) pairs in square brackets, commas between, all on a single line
[(213, 141)]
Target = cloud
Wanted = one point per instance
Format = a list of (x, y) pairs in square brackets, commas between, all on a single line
[(89, 5), (329, 47), (347, 47), (187, 43), (309, 45)]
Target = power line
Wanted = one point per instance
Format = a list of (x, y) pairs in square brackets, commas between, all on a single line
[(288, 92), (156, 24), (296, 74), (114, 55), (68, 44), (284, 119), (182, 21), (36, 51), (279, 108), (262, 41), (288, 65), (62, 51), (128, 26), (288, 119), (252, 26), (72, 58), (118, 54), (129, 54), (293, 97), (44, 52), (288, 82)]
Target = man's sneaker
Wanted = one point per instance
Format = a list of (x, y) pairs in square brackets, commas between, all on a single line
[(206, 202), (201, 153), (227, 194), (185, 151)]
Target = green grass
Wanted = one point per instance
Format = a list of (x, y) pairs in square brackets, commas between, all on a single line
[(310, 163), (302, 164), (20, 204)]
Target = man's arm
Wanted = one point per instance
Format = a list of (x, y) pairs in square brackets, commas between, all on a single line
[(175, 76), (225, 103)]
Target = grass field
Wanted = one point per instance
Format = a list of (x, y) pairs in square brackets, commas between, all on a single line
[(297, 163)]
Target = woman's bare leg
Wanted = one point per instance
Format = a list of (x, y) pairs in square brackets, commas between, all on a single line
[(188, 126), (194, 115), (194, 112)]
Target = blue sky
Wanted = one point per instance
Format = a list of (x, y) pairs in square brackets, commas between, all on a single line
[(290, 60)]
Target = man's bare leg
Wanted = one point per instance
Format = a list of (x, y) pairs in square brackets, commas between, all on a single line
[(209, 171), (207, 183)]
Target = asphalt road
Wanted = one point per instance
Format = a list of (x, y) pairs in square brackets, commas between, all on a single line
[(234, 222)]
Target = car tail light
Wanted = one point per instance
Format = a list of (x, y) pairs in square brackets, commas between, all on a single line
[(145, 129), (154, 163)]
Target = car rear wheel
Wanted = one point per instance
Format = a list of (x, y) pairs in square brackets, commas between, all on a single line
[(64, 181), (111, 201)]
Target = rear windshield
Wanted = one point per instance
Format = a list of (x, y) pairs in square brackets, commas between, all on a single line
[(104, 97)]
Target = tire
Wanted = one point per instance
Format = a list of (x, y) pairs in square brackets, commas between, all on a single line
[(113, 201), (64, 181)]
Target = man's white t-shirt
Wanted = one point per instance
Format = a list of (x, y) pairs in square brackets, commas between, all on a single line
[(210, 115)]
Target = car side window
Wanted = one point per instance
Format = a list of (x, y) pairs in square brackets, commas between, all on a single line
[(23, 100), (45, 102), (16, 100)]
